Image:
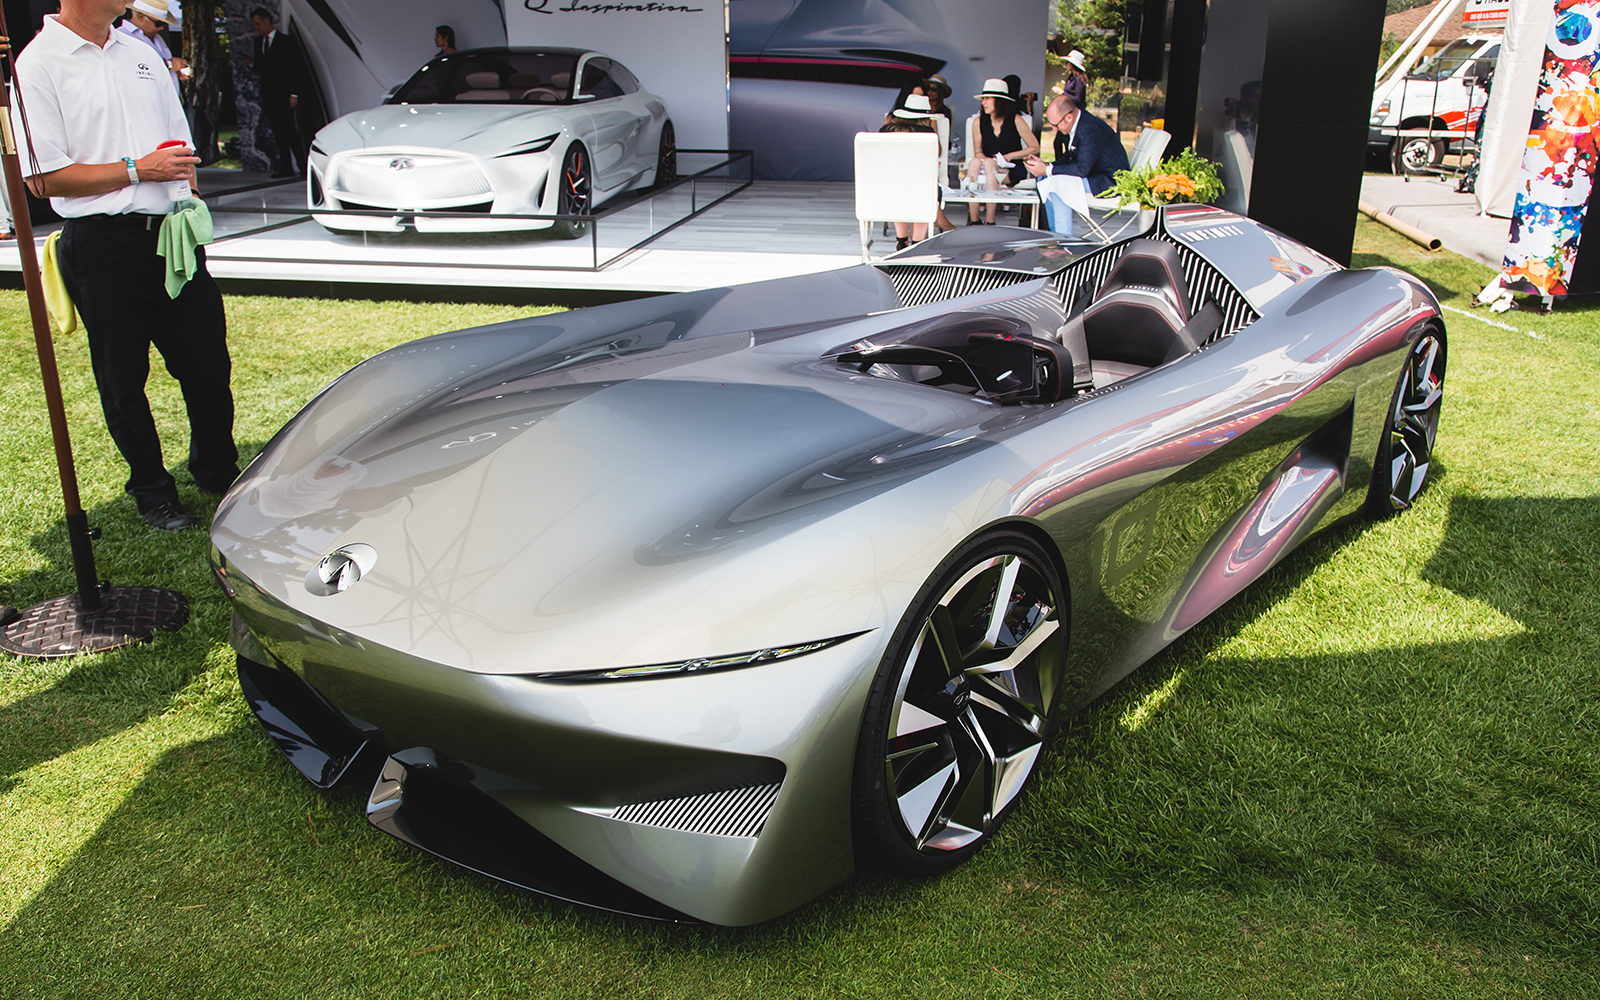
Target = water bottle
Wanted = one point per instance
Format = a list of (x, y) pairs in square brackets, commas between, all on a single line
[(178, 191)]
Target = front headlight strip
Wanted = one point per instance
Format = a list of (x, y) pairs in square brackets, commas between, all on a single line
[(772, 654)]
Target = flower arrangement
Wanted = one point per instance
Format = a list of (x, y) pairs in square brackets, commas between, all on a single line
[(1182, 178)]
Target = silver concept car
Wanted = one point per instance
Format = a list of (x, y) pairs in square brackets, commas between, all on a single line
[(507, 131), (689, 606)]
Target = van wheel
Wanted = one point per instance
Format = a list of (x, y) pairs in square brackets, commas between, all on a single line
[(1417, 154)]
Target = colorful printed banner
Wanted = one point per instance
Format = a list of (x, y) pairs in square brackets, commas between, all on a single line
[(1558, 165)]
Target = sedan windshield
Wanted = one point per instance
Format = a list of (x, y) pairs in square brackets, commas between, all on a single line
[(491, 77)]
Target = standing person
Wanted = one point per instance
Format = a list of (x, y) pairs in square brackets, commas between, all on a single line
[(97, 114), (444, 39), (277, 62), (1001, 140), (149, 21)]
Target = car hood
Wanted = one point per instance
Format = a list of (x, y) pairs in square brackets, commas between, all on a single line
[(481, 128), (564, 494)]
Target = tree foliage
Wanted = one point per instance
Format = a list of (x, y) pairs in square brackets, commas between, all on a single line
[(1094, 27)]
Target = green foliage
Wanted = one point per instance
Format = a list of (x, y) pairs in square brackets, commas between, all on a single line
[(1094, 27), (1396, 6), (1151, 186)]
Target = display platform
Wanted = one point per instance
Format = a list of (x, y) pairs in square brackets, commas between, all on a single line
[(268, 242)]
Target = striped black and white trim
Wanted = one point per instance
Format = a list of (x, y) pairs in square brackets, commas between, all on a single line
[(738, 812), (920, 284)]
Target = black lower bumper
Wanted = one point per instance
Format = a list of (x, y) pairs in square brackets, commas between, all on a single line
[(427, 802)]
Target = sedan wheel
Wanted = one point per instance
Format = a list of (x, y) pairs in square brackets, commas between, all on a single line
[(1405, 453), (961, 707), (574, 191), (667, 157)]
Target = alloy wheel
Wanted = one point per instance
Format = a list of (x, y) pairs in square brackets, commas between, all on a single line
[(1413, 421), (972, 703)]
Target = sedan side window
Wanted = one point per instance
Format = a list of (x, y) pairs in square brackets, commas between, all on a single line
[(597, 83)]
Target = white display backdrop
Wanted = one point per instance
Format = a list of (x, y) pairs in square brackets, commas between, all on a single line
[(678, 50)]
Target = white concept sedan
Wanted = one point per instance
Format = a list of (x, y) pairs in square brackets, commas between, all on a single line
[(502, 131)]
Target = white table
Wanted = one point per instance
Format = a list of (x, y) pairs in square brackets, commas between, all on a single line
[(997, 196)]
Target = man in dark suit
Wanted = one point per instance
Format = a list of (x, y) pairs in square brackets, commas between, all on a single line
[(1085, 146), (278, 63)]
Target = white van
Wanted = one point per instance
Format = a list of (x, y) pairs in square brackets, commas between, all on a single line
[(1443, 96)]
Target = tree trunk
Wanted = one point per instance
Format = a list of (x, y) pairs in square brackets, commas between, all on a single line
[(208, 63)]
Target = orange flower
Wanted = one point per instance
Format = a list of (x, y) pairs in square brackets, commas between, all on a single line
[(1170, 187)]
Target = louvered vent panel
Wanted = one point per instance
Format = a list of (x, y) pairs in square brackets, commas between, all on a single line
[(919, 285), (739, 812)]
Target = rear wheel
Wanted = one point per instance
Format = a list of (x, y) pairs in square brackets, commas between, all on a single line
[(961, 706), (574, 190), (667, 157), (1405, 452)]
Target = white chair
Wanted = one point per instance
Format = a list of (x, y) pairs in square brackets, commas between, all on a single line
[(1147, 151), (888, 189)]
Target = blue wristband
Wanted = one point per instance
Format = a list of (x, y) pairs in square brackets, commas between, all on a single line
[(133, 170)]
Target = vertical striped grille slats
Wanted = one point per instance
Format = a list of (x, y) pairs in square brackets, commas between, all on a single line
[(920, 284), (738, 812)]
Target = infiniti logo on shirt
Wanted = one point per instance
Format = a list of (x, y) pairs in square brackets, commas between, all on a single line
[(402, 163), (144, 72)]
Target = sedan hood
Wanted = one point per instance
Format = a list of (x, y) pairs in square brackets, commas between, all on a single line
[(563, 494), (481, 128)]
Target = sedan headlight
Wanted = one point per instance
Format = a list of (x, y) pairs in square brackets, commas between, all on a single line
[(536, 146)]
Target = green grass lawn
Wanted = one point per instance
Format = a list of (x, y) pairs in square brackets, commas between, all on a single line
[(1375, 773)]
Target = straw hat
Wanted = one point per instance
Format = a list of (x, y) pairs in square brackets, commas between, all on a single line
[(942, 84), (916, 106), (994, 87), (1076, 58), (156, 10)]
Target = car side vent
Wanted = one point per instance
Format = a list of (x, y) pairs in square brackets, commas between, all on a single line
[(737, 812)]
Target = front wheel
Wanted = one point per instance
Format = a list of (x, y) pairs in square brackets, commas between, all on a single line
[(573, 192), (1418, 154), (1405, 452), (961, 707)]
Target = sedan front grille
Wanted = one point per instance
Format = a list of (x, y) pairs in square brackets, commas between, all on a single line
[(419, 179)]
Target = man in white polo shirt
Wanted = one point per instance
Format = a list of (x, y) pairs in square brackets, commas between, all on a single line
[(98, 105)]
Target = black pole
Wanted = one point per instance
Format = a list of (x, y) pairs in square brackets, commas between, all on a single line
[(77, 521)]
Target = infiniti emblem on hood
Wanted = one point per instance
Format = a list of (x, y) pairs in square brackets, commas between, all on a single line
[(402, 163), (340, 569)]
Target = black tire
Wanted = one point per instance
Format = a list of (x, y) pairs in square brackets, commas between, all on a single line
[(667, 156), (574, 191), (1417, 154), (950, 738), (1410, 427)]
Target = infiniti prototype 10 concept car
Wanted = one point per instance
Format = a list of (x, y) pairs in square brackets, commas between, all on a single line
[(687, 607), (508, 131)]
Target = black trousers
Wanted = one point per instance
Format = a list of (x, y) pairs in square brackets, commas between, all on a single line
[(110, 267), (286, 130)]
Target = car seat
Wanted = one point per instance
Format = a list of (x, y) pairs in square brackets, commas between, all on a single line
[(1142, 316)]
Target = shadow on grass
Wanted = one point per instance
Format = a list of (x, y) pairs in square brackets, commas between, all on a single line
[(1445, 785), (98, 695), (1450, 783)]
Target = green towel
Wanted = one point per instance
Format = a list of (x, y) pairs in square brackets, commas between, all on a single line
[(183, 230), (63, 314)]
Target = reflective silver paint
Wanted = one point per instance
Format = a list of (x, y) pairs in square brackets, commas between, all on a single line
[(680, 478)]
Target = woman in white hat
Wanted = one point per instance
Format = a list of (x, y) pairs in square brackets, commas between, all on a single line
[(913, 115), (1001, 139)]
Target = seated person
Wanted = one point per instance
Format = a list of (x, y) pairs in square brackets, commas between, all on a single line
[(1086, 147), (998, 132), (911, 118)]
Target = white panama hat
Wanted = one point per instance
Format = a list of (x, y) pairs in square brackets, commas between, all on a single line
[(994, 87), (916, 106)]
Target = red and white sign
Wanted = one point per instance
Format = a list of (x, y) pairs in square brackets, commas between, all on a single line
[(1485, 13)]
